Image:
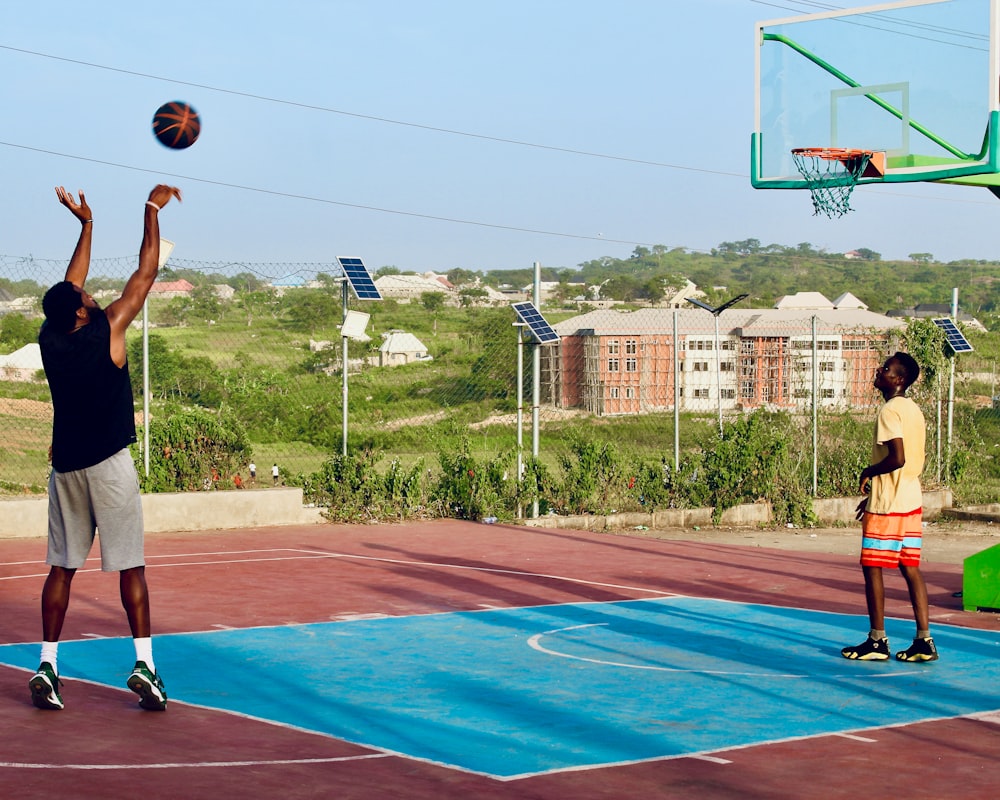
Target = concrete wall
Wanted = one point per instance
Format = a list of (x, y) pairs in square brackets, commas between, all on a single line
[(829, 511), (184, 511)]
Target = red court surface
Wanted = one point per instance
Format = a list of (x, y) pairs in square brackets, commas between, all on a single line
[(103, 746)]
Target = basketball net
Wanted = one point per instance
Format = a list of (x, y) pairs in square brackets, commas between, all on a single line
[(831, 175)]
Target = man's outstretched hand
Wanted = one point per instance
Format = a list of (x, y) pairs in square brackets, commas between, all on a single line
[(80, 210), (162, 194)]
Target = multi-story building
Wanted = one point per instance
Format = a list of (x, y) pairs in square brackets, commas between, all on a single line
[(611, 362)]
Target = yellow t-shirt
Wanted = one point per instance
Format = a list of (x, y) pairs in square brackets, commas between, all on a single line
[(898, 492)]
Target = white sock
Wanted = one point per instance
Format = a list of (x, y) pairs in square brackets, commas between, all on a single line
[(50, 651), (144, 651)]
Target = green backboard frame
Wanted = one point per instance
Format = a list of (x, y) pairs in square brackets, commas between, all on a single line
[(917, 79)]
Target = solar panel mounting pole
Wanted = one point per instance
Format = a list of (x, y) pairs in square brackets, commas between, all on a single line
[(677, 400), (343, 362), (536, 378), (951, 385), (519, 327)]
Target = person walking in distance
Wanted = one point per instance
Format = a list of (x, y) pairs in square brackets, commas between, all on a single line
[(274, 474), (93, 485), (891, 514)]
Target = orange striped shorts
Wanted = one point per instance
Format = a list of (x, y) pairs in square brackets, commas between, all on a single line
[(891, 540)]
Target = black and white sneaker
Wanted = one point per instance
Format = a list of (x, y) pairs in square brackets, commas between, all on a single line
[(869, 650), (920, 650)]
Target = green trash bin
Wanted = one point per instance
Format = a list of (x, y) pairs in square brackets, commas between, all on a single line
[(981, 580)]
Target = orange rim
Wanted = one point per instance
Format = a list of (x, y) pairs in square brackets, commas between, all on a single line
[(831, 153)]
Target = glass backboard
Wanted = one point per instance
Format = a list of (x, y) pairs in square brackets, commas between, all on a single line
[(917, 80)]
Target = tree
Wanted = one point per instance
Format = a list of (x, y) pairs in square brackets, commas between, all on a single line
[(255, 304), (309, 309), (921, 258), (868, 255), (16, 331), (432, 301), (460, 277), (205, 303), (469, 297)]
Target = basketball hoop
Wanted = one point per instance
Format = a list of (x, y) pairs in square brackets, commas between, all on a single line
[(831, 173)]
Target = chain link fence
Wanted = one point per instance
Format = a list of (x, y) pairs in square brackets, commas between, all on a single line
[(260, 346)]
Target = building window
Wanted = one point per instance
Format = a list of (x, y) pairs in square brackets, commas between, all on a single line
[(612, 365), (727, 344), (701, 393), (612, 347), (629, 392), (827, 366), (630, 365), (746, 390), (700, 366), (614, 392), (631, 347), (828, 393), (728, 394), (728, 366)]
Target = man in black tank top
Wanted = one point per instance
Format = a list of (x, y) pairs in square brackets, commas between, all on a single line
[(93, 486)]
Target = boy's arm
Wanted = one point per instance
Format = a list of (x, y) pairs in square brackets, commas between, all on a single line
[(893, 460)]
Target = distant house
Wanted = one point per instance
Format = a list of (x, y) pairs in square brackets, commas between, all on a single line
[(935, 310), (677, 298), (399, 347), (848, 300), (224, 291), (21, 365), (411, 287), (804, 300), (171, 289)]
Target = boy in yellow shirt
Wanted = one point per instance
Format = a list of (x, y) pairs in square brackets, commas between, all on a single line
[(891, 514)]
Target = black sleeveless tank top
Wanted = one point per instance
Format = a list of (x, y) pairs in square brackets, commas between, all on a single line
[(93, 413)]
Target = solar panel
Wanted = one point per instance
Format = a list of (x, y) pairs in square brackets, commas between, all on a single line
[(360, 279), (540, 329), (955, 338)]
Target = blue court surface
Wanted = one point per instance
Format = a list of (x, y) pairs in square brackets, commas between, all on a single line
[(515, 692)]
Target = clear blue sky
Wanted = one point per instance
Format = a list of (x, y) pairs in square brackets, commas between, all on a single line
[(301, 103)]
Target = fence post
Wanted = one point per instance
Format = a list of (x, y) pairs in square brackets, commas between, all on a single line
[(815, 409), (677, 398), (536, 379)]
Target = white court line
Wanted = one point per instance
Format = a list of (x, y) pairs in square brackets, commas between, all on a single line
[(855, 738), (189, 765), (311, 554), (535, 643)]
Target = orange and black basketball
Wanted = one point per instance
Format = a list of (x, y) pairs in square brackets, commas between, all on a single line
[(176, 125)]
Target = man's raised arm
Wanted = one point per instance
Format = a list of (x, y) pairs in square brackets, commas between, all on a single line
[(79, 264), (125, 309)]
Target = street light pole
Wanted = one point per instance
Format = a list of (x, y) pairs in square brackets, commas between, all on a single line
[(715, 312)]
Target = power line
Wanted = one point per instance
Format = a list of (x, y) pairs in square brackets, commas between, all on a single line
[(328, 201), (356, 115)]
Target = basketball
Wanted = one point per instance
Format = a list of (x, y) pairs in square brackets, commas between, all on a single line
[(176, 125)]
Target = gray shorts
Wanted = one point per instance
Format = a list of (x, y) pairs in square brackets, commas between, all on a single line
[(105, 498)]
